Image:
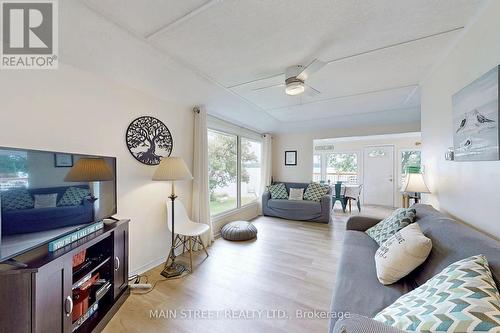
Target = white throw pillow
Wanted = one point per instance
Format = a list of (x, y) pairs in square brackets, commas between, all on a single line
[(401, 253), (296, 194), (45, 200)]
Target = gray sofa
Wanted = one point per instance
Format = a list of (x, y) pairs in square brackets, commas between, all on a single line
[(301, 210), (358, 294)]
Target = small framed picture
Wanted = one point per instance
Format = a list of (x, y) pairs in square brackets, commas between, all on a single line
[(63, 160), (291, 157)]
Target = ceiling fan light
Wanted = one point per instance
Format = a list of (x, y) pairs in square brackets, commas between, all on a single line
[(294, 88)]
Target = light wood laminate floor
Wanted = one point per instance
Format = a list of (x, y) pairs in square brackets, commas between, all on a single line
[(254, 286)]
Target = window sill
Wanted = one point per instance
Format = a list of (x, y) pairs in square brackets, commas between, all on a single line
[(219, 217)]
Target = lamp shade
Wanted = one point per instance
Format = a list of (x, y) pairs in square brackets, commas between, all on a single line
[(89, 170), (172, 168), (415, 183)]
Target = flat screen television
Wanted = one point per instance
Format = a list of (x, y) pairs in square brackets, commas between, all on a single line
[(45, 195)]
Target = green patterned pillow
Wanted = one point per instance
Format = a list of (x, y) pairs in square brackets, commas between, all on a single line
[(399, 219), (73, 196), (278, 191), (17, 199), (462, 298), (315, 192)]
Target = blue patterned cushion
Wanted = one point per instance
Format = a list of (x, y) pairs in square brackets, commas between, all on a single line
[(17, 199), (278, 191), (315, 191), (461, 298), (73, 196), (399, 219)]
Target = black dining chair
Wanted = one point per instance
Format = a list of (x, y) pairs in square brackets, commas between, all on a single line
[(339, 196)]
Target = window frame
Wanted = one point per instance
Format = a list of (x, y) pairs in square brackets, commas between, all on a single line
[(241, 168), (237, 170), (324, 162), (221, 127), (400, 163), (321, 168)]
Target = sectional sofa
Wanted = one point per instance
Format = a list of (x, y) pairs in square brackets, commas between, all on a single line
[(359, 296)]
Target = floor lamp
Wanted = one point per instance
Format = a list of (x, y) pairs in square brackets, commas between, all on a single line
[(172, 169)]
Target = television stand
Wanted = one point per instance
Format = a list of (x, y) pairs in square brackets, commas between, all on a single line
[(15, 263), (51, 293)]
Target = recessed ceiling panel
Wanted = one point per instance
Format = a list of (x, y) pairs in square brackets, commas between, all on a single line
[(360, 104), (390, 68)]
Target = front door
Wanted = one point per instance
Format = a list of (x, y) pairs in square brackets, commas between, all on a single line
[(378, 175)]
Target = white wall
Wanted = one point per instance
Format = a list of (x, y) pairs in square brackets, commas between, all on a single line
[(465, 190), (303, 143), (74, 111)]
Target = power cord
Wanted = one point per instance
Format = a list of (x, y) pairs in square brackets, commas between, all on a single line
[(137, 279)]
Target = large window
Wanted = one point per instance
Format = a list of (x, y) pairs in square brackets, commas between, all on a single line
[(250, 170), (342, 167), (409, 159), (317, 167), (234, 165), (222, 171)]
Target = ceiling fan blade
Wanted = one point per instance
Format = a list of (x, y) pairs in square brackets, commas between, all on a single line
[(312, 91), (313, 67), (267, 87)]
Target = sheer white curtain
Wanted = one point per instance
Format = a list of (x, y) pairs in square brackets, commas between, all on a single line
[(266, 165), (200, 205)]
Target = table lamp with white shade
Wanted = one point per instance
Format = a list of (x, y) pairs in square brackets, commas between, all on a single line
[(415, 183), (172, 169)]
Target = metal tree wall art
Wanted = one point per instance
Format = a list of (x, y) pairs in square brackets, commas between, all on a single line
[(148, 140)]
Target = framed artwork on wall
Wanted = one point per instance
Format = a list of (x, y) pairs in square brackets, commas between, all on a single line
[(475, 119), (63, 160), (291, 157), (149, 140)]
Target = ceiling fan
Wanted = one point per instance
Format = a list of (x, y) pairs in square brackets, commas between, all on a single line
[(295, 77)]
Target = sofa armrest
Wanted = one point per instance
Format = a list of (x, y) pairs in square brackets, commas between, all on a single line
[(265, 198), (326, 203), (359, 324), (361, 223)]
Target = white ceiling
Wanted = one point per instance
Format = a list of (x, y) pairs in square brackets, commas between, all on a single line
[(377, 52)]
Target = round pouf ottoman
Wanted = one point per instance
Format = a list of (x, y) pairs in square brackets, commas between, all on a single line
[(238, 231)]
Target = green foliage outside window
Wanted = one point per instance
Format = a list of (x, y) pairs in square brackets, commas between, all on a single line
[(223, 161), (343, 162)]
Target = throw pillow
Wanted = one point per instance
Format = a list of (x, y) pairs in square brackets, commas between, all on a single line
[(315, 192), (399, 219), (73, 196), (296, 194), (461, 298), (45, 200), (401, 253), (278, 191), (17, 199)]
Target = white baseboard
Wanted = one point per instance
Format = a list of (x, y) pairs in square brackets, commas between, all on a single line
[(146, 267)]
